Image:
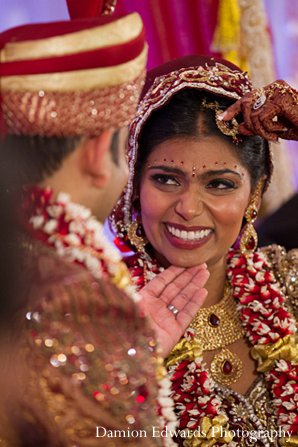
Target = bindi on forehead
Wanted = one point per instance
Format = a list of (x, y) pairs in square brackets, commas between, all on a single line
[(194, 170)]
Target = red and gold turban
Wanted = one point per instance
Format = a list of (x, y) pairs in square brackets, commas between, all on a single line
[(71, 78)]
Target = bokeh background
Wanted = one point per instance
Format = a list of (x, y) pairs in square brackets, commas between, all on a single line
[(259, 35)]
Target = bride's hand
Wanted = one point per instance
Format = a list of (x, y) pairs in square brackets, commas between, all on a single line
[(271, 112), (171, 300)]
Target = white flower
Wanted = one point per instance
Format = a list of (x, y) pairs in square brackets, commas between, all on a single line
[(208, 383), (165, 402), (260, 276), (288, 389), (76, 254), (284, 417), (180, 407), (274, 335), (92, 224), (165, 385), (55, 210), (72, 239), (277, 402), (260, 328), (276, 303), (37, 221), (63, 198), (257, 307), (203, 399), (289, 405), (77, 227), (291, 418), (93, 265), (50, 226), (258, 265)]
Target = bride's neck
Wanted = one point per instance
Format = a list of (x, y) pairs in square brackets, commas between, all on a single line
[(216, 282)]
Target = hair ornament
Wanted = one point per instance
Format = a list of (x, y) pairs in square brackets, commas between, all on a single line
[(229, 128)]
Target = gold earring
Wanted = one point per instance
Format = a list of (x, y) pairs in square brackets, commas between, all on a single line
[(249, 237), (136, 239)]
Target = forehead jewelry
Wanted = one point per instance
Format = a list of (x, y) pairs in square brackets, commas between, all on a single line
[(229, 128)]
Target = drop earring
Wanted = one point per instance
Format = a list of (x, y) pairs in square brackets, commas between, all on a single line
[(135, 236), (249, 237)]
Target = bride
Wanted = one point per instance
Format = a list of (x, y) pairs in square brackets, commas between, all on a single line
[(197, 176)]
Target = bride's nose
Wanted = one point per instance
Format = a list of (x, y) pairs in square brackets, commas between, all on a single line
[(190, 204)]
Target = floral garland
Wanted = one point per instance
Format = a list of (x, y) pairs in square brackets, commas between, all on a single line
[(79, 237), (270, 328)]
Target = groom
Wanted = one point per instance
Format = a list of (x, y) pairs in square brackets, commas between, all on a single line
[(69, 90)]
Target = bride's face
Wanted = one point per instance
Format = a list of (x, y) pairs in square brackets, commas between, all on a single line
[(193, 196)]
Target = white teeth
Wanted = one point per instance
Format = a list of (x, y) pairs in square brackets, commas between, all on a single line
[(188, 235)]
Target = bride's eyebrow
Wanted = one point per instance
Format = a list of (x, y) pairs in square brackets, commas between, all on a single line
[(167, 169), (215, 172), (204, 175)]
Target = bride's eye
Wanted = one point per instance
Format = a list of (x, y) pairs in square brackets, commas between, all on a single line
[(221, 184), (165, 179)]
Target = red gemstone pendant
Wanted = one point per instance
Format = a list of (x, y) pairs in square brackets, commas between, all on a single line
[(214, 320), (227, 367)]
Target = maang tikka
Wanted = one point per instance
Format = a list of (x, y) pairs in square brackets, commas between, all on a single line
[(229, 128), (249, 237)]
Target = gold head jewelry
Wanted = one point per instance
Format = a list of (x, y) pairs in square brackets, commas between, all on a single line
[(136, 239), (217, 327), (229, 128), (249, 237)]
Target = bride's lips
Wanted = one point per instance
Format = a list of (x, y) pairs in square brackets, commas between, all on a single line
[(187, 237)]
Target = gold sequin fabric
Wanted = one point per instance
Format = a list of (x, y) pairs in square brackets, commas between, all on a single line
[(285, 266), (82, 358), (250, 416), (50, 113)]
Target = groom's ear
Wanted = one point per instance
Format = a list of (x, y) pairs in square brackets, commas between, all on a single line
[(96, 158)]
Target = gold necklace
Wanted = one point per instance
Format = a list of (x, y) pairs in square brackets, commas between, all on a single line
[(217, 327)]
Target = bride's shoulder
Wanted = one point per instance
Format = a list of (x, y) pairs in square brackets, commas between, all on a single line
[(285, 267)]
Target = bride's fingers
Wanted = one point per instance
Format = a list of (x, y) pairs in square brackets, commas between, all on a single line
[(186, 294), (188, 312), (168, 284)]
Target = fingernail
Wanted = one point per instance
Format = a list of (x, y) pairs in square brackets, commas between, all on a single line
[(222, 116)]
